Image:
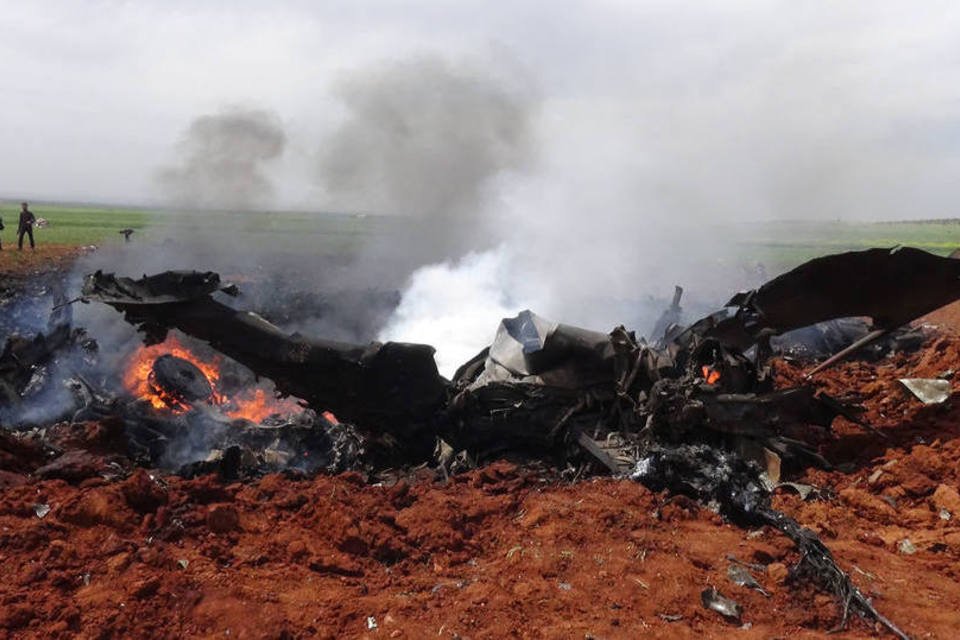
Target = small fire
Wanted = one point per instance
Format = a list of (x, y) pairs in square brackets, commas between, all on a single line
[(253, 403), (136, 376), (256, 405), (711, 375)]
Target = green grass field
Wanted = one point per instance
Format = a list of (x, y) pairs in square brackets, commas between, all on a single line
[(779, 245), (288, 231), (74, 225), (80, 225), (786, 244)]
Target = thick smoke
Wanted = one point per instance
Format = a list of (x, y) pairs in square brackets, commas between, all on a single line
[(666, 183), (425, 143), (587, 207), (455, 306), (223, 160), (430, 140)]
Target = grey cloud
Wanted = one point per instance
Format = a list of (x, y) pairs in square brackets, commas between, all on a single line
[(734, 83), (427, 138), (223, 160)]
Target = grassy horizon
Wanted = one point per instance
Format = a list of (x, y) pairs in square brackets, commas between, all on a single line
[(73, 225), (778, 244)]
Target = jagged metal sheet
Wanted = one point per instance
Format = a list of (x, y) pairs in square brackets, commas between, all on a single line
[(927, 390), (531, 349), (164, 288)]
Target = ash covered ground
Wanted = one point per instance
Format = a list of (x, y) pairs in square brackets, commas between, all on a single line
[(90, 549)]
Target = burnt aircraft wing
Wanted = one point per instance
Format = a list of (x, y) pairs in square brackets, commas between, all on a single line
[(163, 288), (376, 385), (891, 286)]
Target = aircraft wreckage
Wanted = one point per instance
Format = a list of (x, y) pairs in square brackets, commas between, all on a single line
[(695, 411)]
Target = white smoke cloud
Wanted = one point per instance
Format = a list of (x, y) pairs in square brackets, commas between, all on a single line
[(652, 182), (654, 127), (455, 306)]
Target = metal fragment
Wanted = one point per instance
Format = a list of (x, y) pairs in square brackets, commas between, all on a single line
[(805, 491), (713, 600), (906, 547), (741, 576), (928, 390)]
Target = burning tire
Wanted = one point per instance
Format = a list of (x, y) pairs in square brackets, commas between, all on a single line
[(179, 381)]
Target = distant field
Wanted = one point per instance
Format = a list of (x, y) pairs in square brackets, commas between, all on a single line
[(778, 245), (73, 225), (289, 231), (786, 244), (292, 231)]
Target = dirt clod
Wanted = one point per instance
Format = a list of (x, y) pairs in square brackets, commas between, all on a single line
[(223, 519), (778, 572)]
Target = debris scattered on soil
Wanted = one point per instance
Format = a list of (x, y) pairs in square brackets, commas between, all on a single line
[(714, 601), (481, 551), (741, 576), (906, 547), (928, 390)]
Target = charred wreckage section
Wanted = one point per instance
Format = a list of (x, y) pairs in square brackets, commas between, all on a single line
[(694, 412)]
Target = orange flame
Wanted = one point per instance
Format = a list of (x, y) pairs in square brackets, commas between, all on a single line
[(711, 375), (136, 376), (254, 403)]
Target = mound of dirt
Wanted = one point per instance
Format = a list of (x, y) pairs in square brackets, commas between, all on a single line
[(498, 552), (91, 549)]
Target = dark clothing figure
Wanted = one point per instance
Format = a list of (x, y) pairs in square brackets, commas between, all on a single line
[(26, 226), (1, 229), (25, 230)]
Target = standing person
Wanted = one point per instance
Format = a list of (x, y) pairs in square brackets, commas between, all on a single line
[(26, 226), (1, 229)]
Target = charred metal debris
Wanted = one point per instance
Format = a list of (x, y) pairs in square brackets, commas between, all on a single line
[(694, 411)]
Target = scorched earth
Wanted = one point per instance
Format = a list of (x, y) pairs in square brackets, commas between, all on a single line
[(503, 551)]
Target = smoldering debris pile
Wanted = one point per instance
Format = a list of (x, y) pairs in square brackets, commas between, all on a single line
[(694, 412), (184, 407)]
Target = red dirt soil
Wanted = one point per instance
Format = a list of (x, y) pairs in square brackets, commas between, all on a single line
[(495, 553), (946, 318), (46, 258)]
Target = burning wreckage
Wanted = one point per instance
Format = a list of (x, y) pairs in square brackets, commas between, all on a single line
[(694, 412)]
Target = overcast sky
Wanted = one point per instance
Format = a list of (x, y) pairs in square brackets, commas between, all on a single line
[(804, 108)]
